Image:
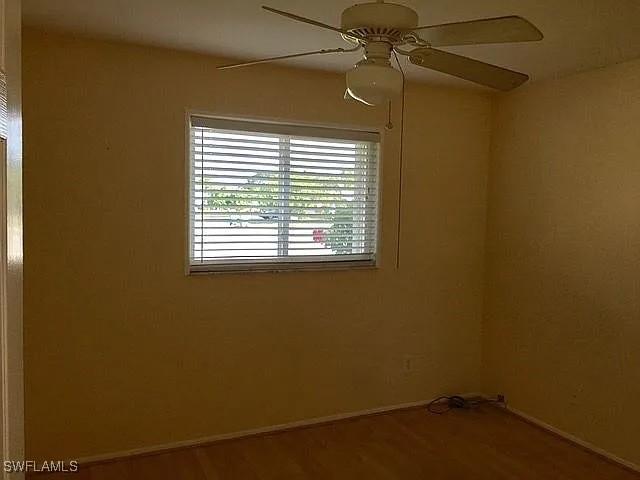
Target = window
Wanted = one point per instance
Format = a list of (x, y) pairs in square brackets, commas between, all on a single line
[(270, 196)]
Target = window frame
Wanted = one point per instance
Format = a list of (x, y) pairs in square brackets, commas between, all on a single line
[(285, 264)]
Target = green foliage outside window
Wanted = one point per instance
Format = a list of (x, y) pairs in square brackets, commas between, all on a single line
[(262, 196)]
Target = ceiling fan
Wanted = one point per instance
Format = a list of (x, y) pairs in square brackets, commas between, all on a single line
[(386, 29)]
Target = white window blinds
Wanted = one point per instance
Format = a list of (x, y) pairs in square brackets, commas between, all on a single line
[(271, 196)]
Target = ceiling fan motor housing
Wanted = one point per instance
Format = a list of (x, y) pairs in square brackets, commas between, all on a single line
[(378, 20)]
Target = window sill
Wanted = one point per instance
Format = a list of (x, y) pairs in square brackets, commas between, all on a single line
[(200, 270)]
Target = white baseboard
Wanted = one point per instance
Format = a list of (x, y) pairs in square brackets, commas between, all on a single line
[(155, 449), (574, 439)]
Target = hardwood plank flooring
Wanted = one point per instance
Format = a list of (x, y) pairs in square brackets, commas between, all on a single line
[(486, 443)]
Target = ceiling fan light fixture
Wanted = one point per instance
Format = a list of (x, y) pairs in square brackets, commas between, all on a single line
[(373, 83), (385, 29)]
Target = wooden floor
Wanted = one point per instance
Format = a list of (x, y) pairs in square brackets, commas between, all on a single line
[(413, 444)]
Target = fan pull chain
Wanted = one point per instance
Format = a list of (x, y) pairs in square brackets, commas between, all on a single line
[(401, 173), (389, 125)]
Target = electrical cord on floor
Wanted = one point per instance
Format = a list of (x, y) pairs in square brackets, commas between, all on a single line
[(446, 403)]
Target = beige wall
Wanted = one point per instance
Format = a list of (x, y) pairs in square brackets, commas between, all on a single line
[(124, 351), (562, 326)]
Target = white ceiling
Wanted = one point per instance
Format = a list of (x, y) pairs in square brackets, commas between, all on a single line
[(579, 34)]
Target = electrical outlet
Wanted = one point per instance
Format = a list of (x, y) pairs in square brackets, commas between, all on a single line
[(408, 364), (412, 363)]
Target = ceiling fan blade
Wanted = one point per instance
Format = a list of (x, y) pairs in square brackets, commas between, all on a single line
[(305, 20), (285, 57), (468, 69), (488, 30)]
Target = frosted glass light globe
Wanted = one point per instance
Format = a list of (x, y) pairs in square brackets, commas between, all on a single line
[(374, 84)]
